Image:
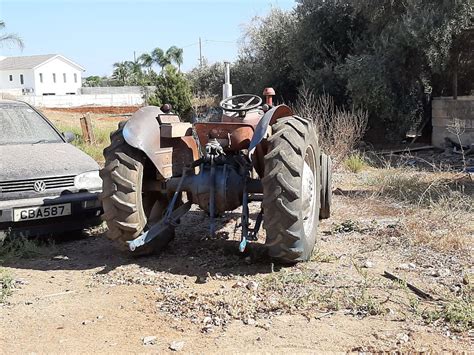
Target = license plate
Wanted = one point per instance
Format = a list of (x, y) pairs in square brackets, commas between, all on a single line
[(40, 212)]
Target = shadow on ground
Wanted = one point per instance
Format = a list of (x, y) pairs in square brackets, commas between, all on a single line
[(191, 253)]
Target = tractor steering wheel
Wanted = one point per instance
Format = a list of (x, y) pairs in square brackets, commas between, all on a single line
[(244, 103)]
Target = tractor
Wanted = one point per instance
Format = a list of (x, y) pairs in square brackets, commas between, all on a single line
[(158, 166)]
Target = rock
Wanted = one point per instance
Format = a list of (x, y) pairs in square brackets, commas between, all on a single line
[(252, 285), (177, 345), (149, 340), (238, 284), (60, 257), (207, 320), (403, 338), (208, 328), (412, 265), (84, 322), (441, 273), (403, 266), (368, 264), (201, 279), (249, 321), (21, 282)]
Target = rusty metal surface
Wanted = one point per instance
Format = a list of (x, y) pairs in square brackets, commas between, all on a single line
[(267, 120), (235, 136), (184, 152), (142, 131), (251, 118)]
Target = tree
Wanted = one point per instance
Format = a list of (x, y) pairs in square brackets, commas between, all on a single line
[(93, 80), (173, 88), (207, 80), (10, 38), (121, 73), (264, 58), (175, 55), (146, 61), (385, 56), (160, 58)]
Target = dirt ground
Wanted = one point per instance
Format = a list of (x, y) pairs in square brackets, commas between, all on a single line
[(202, 295)]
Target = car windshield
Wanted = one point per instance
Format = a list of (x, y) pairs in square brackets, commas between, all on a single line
[(19, 124)]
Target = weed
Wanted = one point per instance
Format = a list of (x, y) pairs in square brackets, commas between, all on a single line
[(347, 226), (23, 248), (457, 313), (93, 149), (322, 257), (6, 285), (355, 163)]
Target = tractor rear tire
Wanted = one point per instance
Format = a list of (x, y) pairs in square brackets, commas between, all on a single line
[(326, 187), (291, 190), (126, 207)]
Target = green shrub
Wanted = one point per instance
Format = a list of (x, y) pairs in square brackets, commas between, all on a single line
[(355, 163)]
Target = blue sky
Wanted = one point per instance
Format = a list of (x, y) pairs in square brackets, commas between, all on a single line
[(97, 34)]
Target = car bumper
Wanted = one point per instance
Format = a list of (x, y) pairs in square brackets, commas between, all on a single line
[(85, 212)]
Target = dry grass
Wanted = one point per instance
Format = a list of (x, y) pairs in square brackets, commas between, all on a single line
[(102, 125), (339, 130), (438, 207)]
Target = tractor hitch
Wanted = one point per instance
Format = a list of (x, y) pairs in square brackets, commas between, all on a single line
[(159, 227)]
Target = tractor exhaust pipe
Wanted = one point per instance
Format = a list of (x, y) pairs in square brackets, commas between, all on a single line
[(227, 87)]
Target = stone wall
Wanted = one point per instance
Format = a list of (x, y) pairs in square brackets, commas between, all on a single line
[(444, 110)]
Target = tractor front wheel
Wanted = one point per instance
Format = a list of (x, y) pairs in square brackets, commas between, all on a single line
[(291, 190), (128, 210)]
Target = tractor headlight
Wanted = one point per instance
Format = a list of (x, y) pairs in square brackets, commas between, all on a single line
[(88, 181)]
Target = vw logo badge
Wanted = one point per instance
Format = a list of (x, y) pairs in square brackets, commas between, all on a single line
[(39, 186)]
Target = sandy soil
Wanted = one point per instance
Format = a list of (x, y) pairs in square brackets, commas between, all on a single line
[(86, 297)]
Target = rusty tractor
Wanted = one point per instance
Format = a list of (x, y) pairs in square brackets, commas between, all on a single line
[(158, 166)]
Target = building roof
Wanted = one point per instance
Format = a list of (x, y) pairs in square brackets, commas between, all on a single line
[(30, 62)]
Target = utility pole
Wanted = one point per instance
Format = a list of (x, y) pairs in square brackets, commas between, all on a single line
[(134, 56), (200, 52)]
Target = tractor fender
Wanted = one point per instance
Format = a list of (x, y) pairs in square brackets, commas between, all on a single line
[(270, 117), (142, 131)]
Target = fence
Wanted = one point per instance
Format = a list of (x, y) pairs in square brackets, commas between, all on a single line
[(99, 90)]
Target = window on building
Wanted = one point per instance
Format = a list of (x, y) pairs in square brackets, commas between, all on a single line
[(21, 79), (41, 77), (11, 77), (75, 77), (54, 77), (64, 77)]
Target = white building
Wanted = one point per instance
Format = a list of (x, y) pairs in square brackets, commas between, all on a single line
[(50, 74)]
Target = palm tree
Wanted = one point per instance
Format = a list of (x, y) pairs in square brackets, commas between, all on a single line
[(146, 61), (135, 70), (121, 72), (160, 57), (175, 55), (10, 37)]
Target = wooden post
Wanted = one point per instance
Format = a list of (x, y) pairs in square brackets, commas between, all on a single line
[(87, 132)]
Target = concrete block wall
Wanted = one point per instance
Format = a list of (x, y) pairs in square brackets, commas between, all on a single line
[(444, 110), (84, 100)]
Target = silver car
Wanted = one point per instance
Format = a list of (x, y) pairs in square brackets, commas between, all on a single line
[(46, 184)]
